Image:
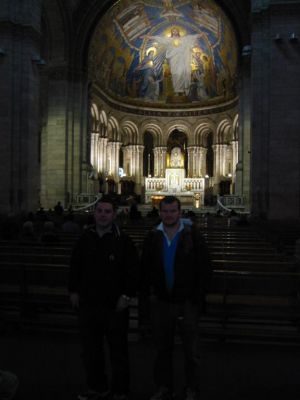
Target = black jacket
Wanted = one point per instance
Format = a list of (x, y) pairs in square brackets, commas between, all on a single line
[(192, 269), (102, 269)]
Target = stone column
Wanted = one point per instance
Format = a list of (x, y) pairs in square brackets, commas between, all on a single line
[(202, 161), (194, 161), (139, 171), (61, 144), (156, 153), (242, 167), (94, 150), (160, 161), (126, 160), (133, 155), (21, 68), (113, 149), (275, 143), (234, 145), (217, 169), (223, 159), (190, 152), (102, 145), (109, 151)]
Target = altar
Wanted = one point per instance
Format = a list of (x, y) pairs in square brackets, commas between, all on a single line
[(189, 190)]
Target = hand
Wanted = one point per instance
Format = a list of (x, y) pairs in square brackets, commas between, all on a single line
[(122, 303), (74, 299)]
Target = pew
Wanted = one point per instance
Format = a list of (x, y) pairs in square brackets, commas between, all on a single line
[(33, 280), (253, 304)]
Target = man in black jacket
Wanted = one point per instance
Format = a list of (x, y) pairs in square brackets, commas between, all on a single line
[(175, 275), (103, 278)]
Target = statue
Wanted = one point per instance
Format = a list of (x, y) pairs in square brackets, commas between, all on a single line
[(176, 159)]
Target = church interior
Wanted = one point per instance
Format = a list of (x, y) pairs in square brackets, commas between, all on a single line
[(142, 99), (99, 97)]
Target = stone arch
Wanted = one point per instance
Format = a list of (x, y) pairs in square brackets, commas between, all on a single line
[(201, 132), (129, 133), (103, 125), (148, 153), (154, 128), (180, 125), (235, 128), (87, 16), (57, 23), (224, 131), (95, 118), (113, 129)]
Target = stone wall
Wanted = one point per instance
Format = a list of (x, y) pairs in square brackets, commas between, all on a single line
[(19, 104), (275, 84)]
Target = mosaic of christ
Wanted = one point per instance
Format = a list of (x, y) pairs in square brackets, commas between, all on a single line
[(151, 52)]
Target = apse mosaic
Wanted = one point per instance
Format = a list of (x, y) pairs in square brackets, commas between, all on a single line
[(160, 52)]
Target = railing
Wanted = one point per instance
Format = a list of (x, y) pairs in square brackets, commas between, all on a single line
[(194, 184), (228, 202), (155, 184), (188, 184), (91, 198)]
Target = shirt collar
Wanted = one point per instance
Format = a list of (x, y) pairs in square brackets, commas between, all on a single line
[(160, 227)]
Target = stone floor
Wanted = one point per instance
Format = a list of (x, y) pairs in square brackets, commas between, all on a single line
[(49, 367)]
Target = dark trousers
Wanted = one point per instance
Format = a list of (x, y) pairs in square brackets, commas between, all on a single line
[(96, 324), (165, 318)]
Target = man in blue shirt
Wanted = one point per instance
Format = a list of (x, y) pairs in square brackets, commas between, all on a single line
[(175, 275)]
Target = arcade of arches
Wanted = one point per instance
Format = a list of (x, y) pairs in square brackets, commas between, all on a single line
[(190, 97), (142, 148)]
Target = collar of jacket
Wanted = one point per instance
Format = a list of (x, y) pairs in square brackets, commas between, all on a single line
[(114, 229)]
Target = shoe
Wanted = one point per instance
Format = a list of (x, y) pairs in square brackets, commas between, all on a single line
[(191, 394), (163, 393), (93, 395)]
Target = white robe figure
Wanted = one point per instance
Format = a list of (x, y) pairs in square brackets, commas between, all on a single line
[(179, 55)]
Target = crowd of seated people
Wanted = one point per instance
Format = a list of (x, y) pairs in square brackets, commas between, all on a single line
[(40, 226)]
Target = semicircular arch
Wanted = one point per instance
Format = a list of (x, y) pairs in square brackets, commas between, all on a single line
[(153, 127), (235, 128), (179, 125), (201, 132), (224, 131), (129, 133), (113, 129)]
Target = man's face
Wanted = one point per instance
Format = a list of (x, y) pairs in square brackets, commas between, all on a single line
[(170, 214), (104, 215)]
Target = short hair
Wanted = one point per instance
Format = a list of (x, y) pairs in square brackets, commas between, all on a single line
[(106, 198), (170, 200)]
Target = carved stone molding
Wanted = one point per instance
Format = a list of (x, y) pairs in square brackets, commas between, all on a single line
[(138, 110)]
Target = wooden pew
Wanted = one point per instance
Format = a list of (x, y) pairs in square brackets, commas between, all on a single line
[(252, 265), (253, 304), (34, 295)]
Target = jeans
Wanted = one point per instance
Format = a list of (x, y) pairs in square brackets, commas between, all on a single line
[(165, 318), (96, 324)]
